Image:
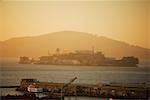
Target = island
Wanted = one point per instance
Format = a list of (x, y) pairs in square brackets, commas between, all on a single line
[(81, 57)]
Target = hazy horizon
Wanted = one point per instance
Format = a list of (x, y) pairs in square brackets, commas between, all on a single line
[(127, 21), (72, 31)]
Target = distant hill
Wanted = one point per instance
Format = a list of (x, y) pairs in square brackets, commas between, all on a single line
[(69, 41)]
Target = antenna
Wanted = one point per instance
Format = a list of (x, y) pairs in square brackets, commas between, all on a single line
[(48, 53), (93, 49)]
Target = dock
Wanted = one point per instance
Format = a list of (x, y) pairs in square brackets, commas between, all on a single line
[(17, 86), (59, 90)]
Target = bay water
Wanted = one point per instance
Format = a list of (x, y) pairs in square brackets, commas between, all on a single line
[(11, 73)]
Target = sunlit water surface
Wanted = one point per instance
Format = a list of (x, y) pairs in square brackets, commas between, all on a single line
[(12, 73)]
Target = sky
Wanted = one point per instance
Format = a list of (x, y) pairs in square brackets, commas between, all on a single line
[(123, 20)]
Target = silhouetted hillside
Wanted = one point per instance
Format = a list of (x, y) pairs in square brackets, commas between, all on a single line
[(69, 41)]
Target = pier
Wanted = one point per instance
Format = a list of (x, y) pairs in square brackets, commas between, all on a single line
[(59, 90), (9, 86)]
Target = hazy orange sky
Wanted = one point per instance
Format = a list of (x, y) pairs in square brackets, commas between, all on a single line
[(125, 20)]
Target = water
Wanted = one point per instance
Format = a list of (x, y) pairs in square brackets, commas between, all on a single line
[(12, 73)]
